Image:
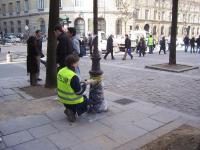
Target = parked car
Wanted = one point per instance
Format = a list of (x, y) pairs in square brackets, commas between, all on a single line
[(11, 39)]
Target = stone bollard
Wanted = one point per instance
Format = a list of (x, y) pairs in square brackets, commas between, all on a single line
[(9, 57)]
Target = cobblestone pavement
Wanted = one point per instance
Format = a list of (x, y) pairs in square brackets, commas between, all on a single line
[(163, 101), (171, 90)]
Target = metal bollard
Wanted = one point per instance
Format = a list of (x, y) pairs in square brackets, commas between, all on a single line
[(9, 57)]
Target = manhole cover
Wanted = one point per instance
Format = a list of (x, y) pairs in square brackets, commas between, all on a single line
[(124, 101)]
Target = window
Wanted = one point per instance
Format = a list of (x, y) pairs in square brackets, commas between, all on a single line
[(146, 14), (137, 14), (26, 6), (163, 15), (41, 4), (155, 14), (4, 9), (119, 3), (101, 3), (5, 27), (10, 9), (60, 3), (78, 3), (119, 27), (189, 18), (154, 30), (27, 22), (18, 8), (19, 29), (101, 24), (12, 27), (80, 26), (162, 30)]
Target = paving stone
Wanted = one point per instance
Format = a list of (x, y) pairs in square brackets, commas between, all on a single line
[(166, 116), (89, 131), (9, 92), (17, 138), (39, 144), (2, 145), (63, 124), (19, 124), (57, 114), (42, 131), (124, 133), (98, 143), (64, 139), (148, 124)]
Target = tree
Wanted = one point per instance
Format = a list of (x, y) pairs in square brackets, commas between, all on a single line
[(51, 46), (125, 8), (172, 54)]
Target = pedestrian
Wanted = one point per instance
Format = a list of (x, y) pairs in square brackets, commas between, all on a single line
[(38, 38), (192, 45), (83, 45), (127, 47), (150, 44), (142, 47), (64, 47), (163, 45), (75, 45), (198, 44), (90, 43), (109, 47), (32, 64), (70, 89), (74, 39), (186, 41)]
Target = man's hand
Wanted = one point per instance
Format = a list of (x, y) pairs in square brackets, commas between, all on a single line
[(91, 81), (58, 65)]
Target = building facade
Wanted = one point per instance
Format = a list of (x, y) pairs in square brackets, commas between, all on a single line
[(18, 16)]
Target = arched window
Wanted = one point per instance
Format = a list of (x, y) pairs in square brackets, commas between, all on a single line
[(101, 24), (12, 30), (19, 26), (162, 30), (119, 27), (42, 25), (80, 26), (154, 30), (193, 30), (197, 31), (137, 27)]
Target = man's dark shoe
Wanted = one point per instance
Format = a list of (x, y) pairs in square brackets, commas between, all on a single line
[(70, 115), (39, 79)]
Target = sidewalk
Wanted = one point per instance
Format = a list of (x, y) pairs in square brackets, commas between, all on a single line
[(123, 127)]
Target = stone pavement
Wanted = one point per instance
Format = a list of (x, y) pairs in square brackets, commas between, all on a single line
[(123, 127), (162, 101)]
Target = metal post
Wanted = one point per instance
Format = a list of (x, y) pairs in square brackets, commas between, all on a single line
[(96, 94)]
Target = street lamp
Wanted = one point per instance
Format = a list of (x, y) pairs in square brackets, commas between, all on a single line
[(96, 93)]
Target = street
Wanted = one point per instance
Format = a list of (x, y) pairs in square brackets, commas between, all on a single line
[(162, 101)]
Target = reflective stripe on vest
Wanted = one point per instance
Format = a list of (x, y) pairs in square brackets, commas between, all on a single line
[(65, 92)]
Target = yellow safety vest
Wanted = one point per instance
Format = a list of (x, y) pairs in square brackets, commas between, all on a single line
[(150, 41), (66, 94)]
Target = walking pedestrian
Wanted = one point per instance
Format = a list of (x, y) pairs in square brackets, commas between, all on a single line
[(32, 64), (186, 41), (70, 89), (163, 45), (109, 47), (127, 47), (90, 43), (150, 44), (142, 47), (192, 44), (39, 47), (198, 44), (64, 47)]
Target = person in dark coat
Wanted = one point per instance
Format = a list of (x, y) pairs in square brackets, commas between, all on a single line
[(192, 44), (198, 44), (109, 47), (32, 63), (163, 45), (127, 47), (142, 47), (90, 43), (186, 41), (64, 47)]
